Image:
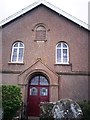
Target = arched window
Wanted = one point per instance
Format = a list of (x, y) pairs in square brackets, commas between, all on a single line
[(17, 52), (40, 33), (39, 80), (62, 53)]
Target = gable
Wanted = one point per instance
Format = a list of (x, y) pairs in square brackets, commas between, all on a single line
[(38, 66), (50, 6)]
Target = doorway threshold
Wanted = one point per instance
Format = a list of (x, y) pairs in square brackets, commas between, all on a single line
[(33, 118)]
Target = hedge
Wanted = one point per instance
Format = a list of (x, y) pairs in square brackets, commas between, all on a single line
[(11, 100), (85, 106)]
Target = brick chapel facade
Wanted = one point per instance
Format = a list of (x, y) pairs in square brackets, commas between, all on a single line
[(45, 52)]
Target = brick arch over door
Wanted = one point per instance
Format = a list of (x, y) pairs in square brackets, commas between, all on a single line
[(38, 91)]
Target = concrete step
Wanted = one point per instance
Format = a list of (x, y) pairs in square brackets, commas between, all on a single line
[(33, 118)]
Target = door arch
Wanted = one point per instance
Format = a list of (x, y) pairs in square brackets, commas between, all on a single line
[(38, 91)]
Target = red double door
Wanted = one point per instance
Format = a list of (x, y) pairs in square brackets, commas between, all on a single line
[(38, 91)]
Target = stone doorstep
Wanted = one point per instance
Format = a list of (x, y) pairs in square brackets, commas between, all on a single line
[(33, 118)]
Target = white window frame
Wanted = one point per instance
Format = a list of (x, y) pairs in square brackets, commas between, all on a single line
[(62, 48), (18, 49)]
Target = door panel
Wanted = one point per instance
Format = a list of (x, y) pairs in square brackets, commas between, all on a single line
[(38, 91), (33, 101), (44, 93)]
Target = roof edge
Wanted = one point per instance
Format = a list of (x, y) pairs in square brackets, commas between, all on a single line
[(49, 5)]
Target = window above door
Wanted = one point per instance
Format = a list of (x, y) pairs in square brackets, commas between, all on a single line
[(39, 80)]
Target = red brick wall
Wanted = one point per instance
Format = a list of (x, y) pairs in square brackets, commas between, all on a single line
[(58, 29)]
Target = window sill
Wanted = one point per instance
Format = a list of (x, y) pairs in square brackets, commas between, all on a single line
[(15, 63), (60, 64), (40, 40)]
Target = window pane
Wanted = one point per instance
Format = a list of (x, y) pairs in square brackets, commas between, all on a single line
[(21, 44), (58, 55), (20, 55), (65, 60), (43, 91), (16, 44), (64, 45), (43, 81), (59, 45), (35, 80), (14, 57), (64, 53), (33, 91)]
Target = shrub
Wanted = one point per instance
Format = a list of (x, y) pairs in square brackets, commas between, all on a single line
[(85, 106), (46, 111), (11, 100)]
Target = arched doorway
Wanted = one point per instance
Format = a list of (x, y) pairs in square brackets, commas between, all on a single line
[(38, 91)]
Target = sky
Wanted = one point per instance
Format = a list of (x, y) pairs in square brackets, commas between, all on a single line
[(77, 8)]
